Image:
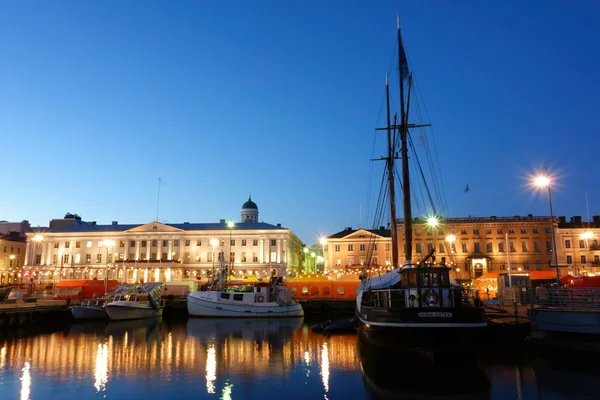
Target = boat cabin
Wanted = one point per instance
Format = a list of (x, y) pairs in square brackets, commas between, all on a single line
[(427, 286), (138, 298)]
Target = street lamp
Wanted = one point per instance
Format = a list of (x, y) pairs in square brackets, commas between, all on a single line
[(38, 239), (323, 242), (450, 239), (587, 235), (544, 181), (214, 243), (107, 243), (432, 223), (230, 226)]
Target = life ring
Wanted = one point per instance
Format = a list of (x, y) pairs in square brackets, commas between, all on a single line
[(260, 298), (431, 298)]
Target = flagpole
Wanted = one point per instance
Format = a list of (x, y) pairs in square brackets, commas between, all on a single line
[(468, 204), (508, 262)]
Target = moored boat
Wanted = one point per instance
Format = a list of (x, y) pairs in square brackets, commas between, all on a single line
[(90, 309), (96, 308), (5, 292), (144, 301), (260, 300), (415, 304)]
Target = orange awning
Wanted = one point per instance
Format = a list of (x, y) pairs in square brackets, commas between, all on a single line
[(533, 275)]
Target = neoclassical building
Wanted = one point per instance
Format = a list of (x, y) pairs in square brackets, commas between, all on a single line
[(73, 249), (473, 246)]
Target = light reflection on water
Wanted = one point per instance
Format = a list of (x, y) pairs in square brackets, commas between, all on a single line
[(232, 359)]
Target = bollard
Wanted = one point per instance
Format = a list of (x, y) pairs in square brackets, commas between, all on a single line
[(516, 310)]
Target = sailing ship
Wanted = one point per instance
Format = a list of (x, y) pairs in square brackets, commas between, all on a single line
[(416, 300), (259, 300)]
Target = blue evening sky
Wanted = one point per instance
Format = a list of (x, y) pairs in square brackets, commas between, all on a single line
[(98, 99)]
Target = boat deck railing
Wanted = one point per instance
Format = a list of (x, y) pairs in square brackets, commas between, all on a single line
[(574, 299), (422, 297)]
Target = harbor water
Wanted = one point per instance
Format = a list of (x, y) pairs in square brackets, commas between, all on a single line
[(252, 359)]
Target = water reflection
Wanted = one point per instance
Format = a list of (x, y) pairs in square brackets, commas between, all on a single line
[(101, 370), (211, 368), (26, 382), (246, 359), (325, 367), (421, 373)]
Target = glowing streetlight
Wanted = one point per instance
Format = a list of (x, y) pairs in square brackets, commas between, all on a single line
[(451, 239), (544, 181), (323, 241), (586, 235), (433, 221)]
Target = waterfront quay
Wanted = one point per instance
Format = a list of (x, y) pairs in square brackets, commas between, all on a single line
[(563, 318)]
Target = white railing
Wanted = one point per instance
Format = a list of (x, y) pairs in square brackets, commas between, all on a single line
[(402, 298), (565, 298)]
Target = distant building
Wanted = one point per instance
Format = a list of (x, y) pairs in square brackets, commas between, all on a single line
[(73, 248), (12, 254), (21, 227), (473, 246), (578, 245)]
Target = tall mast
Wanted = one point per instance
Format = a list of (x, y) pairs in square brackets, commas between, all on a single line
[(403, 74), (390, 170)]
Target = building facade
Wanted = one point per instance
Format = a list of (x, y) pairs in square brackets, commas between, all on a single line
[(161, 252), (473, 246), (12, 254)]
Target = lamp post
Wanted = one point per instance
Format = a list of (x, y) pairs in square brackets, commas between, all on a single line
[(544, 181), (433, 223), (323, 242), (587, 235), (450, 239), (230, 226), (107, 243), (305, 250), (214, 243)]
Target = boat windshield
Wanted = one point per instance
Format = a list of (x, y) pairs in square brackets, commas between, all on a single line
[(425, 278)]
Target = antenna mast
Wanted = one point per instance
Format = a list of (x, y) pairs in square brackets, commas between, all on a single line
[(158, 200)]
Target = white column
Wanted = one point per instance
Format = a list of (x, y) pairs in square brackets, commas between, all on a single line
[(159, 248), (28, 250), (278, 250), (170, 249), (137, 250), (181, 248), (261, 251)]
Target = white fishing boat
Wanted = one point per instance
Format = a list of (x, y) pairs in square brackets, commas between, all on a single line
[(91, 309), (144, 302), (260, 300), (96, 308)]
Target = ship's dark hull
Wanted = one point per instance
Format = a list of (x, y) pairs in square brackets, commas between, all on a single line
[(430, 328), (405, 372)]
